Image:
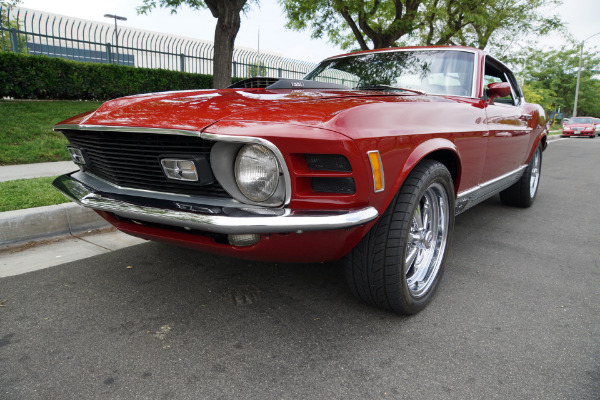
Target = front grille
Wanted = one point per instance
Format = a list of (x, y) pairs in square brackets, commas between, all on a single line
[(132, 160)]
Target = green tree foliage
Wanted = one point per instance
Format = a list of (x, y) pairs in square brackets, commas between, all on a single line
[(491, 23), (538, 94), (385, 23), (589, 98), (11, 39), (227, 13), (551, 76), (6, 6), (369, 22)]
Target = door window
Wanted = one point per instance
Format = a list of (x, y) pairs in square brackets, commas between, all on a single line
[(496, 72)]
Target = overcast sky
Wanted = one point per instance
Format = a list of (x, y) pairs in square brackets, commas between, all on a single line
[(582, 17)]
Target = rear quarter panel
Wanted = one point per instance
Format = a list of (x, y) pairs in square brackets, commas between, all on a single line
[(539, 131)]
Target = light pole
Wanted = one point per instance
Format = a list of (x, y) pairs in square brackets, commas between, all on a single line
[(579, 74), (523, 73), (116, 17)]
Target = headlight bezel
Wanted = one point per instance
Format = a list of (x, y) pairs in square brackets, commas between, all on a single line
[(222, 159)]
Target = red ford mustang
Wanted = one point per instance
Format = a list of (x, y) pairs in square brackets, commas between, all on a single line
[(369, 157)]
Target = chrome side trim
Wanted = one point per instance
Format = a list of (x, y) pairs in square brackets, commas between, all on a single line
[(135, 129), (484, 191), (215, 219)]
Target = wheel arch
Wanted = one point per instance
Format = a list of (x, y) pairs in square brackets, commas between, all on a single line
[(544, 142), (540, 141), (450, 160), (441, 150)]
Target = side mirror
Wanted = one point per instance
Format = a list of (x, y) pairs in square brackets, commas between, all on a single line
[(497, 89)]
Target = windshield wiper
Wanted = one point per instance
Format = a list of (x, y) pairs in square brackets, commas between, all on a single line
[(388, 87)]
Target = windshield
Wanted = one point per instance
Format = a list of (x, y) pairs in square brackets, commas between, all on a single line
[(430, 71), (580, 120)]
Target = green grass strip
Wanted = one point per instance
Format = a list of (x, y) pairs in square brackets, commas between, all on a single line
[(26, 134), (28, 193)]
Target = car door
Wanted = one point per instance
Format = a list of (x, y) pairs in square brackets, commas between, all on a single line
[(507, 123)]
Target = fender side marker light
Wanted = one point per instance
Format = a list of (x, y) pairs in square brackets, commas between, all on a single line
[(377, 167)]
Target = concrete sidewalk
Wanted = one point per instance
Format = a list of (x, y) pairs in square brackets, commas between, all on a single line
[(48, 253), (28, 171)]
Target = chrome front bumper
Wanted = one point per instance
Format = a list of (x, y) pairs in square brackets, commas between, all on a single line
[(227, 220)]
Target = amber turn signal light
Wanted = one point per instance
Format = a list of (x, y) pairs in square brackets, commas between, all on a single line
[(377, 167)]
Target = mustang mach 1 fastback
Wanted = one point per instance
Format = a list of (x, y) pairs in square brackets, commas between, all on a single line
[(369, 158)]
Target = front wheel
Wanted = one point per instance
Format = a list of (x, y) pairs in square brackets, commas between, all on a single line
[(398, 265), (523, 192)]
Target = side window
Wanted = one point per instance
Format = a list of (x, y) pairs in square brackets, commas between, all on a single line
[(495, 72)]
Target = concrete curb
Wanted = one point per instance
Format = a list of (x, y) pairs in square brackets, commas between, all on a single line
[(42, 223)]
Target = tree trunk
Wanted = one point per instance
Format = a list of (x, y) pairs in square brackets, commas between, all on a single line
[(225, 33), (357, 33), (403, 23), (227, 13)]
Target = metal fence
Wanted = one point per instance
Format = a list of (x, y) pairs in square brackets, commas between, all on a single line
[(34, 32)]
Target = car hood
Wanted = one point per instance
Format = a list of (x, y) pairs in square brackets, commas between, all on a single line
[(195, 110)]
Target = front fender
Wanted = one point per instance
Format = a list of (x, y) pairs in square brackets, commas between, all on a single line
[(398, 161)]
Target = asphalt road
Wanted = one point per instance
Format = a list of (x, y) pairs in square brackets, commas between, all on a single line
[(517, 316)]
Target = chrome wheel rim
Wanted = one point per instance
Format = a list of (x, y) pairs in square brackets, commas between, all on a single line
[(427, 240), (535, 174)]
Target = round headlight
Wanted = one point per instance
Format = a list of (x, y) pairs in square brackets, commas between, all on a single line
[(256, 172)]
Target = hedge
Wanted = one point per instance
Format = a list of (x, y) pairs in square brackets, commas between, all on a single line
[(41, 77)]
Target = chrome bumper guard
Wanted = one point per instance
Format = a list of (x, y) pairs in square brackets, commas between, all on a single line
[(225, 220)]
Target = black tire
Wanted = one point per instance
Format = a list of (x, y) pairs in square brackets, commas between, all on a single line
[(523, 192), (377, 269)]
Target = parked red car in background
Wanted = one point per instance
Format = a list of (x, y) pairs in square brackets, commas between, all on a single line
[(369, 158), (580, 126)]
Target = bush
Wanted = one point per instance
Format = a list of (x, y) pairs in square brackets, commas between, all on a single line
[(41, 77)]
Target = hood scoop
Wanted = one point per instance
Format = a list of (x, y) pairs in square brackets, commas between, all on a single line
[(283, 83), (256, 82)]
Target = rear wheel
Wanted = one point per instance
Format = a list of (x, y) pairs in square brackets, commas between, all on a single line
[(398, 265), (522, 193)]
